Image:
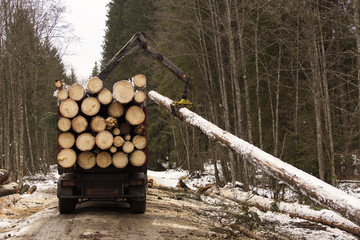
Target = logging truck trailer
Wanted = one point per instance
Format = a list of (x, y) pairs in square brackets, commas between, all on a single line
[(129, 183)]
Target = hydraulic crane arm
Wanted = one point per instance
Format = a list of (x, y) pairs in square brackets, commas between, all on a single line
[(138, 40)]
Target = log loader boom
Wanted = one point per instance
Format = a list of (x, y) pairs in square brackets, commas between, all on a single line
[(138, 40)]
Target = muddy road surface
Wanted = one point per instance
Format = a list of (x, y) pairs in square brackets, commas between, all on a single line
[(169, 215)]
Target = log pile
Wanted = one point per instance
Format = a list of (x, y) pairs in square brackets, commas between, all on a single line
[(99, 127)]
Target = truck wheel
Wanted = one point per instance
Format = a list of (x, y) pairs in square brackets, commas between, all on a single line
[(66, 206), (138, 206)]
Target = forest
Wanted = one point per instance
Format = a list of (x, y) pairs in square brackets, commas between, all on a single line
[(283, 75)]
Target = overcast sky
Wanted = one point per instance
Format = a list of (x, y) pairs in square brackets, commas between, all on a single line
[(88, 19)]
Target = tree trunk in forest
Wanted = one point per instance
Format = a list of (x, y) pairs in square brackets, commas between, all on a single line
[(356, 5), (298, 180)]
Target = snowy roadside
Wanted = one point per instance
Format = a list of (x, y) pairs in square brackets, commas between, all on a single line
[(295, 227)]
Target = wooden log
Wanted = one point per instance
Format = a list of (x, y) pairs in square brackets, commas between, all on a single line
[(116, 131), (86, 160), (139, 142), (59, 83), (127, 137), (115, 109), (62, 94), (31, 189), (138, 158), (94, 85), (139, 80), (69, 108), (66, 158), (64, 124), (4, 175), (128, 147), (105, 96), (85, 142), (140, 129), (118, 141), (319, 191), (125, 128), (90, 106), (98, 124), (103, 159), (110, 122), (66, 140), (104, 140), (79, 124), (135, 115), (113, 149), (23, 189), (123, 91), (8, 189), (120, 160), (76, 92), (139, 97)]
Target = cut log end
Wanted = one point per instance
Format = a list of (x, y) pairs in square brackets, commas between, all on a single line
[(113, 149), (62, 94), (116, 109), (76, 92), (138, 158), (128, 147), (104, 140), (64, 124), (139, 97), (66, 140), (139, 142), (103, 159), (110, 122), (85, 142), (90, 106), (116, 131), (86, 160), (123, 91), (139, 80), (66, 158), (94, 85), (118, 141), (135, 115), (69, 108), (98, 124), (105, 96), (120, 160), (79, 124)]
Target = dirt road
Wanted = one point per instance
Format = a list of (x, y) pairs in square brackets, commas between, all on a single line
[(168, 216)]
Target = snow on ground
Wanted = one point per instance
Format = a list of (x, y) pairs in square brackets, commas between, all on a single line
[(168, 178)]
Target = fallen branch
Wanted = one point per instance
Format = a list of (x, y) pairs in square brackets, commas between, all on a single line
[(319, 191)]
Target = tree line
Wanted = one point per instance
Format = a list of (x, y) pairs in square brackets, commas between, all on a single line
[(283, 75), (29, 66)]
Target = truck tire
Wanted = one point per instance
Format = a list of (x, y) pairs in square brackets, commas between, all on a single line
[(138, 206), (66, 206)]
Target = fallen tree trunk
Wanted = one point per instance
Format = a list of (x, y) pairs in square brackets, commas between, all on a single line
[(319, 191), (323, 216), (7, 189), (4, 175)]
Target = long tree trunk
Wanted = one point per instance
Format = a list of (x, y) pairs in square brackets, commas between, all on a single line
[(297, 179), (356, 6)]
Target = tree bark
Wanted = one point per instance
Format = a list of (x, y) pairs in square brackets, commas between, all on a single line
[(298, 180)]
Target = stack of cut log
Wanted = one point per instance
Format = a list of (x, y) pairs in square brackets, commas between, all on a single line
[(102, 127)]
